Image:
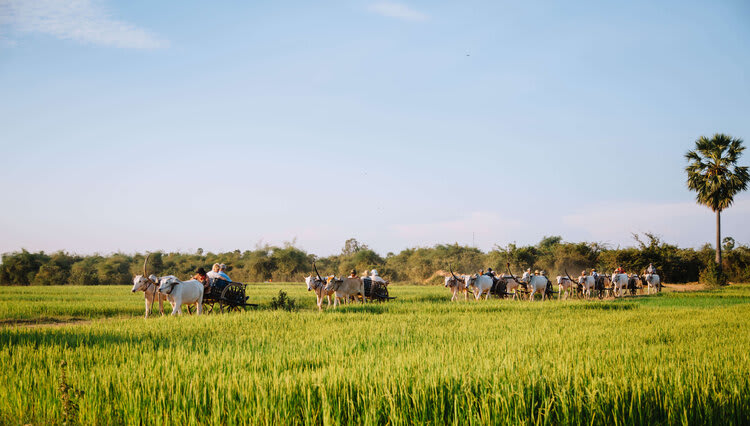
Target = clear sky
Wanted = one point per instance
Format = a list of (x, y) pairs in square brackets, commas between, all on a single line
[(141, 125)]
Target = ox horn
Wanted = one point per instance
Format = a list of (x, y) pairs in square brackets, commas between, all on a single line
[(568, 275), (451, 268), (145, 274), (145, 262), (316, 272), (507, 266)]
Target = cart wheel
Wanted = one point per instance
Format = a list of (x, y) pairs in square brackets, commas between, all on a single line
[(229, 307), (208, 307), (232, 297)]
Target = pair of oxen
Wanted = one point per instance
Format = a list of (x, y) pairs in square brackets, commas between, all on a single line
[(482, 284), (342, 289), (168, 288)]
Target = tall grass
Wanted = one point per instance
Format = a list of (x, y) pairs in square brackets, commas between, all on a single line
[(671, 358)]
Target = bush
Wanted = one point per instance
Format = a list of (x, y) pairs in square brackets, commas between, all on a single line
[(713, 276), (283, 302)]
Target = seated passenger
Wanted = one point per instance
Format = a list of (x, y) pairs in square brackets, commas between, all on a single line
[(375, 277), (223, 273), (353, 273), (214, 273), (200, 275)]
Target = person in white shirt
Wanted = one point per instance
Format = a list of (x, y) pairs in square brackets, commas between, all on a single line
[(214, 272), (594, 273), (375, 277)]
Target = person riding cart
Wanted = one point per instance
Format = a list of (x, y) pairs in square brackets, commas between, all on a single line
[(200, 275)]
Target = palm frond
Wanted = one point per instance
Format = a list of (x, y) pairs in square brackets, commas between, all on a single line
[(713, 173)]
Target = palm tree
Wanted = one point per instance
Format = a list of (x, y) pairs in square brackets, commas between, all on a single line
[(713, 173)]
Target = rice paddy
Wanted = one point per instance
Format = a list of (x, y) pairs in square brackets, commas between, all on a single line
[(672, 358)]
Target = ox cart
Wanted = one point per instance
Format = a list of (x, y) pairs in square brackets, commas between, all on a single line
[(602, 290), (500, 288), (600, 287), (376, 290), (225, 296)]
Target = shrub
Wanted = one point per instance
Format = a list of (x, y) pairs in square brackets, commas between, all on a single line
[(283, 302), (713, 276)]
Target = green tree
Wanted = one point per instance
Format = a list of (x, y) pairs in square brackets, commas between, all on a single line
[(21, 268), (352, 246), (713, 173), (57, 269)]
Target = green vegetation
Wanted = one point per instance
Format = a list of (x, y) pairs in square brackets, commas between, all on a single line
[(664, 359), (414, 265), (715, 176)]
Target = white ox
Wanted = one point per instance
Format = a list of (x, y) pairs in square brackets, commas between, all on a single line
[(345, 288), (318, 285), (619, 282), (565, 287), (182, 293), (457, 286), (535, 284), (481, 283), (653, 281), (588, 282), (148, 285), (511, 284)]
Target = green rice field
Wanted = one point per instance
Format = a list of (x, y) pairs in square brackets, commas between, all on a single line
[(672, 358)]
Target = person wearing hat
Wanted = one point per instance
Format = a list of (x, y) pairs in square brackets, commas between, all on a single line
[(353, 273), (200, 275), (594, 273), (223, 272)]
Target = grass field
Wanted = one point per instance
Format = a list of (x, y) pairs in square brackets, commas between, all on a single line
[(675, 358)]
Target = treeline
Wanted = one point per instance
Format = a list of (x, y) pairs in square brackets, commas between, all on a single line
[(415, 265)]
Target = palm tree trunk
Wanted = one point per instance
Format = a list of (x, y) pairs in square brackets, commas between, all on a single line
[(718, 239)]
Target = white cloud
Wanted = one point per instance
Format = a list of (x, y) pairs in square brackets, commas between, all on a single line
[(84, 21), (397, 10)]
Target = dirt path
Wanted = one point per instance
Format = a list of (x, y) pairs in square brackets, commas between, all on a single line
[(685, 287), (44, 323)]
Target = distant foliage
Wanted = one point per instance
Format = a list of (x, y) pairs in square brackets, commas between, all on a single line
[(416, 265)]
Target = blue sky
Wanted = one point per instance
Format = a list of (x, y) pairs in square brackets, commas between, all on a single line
[(140, 126)]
